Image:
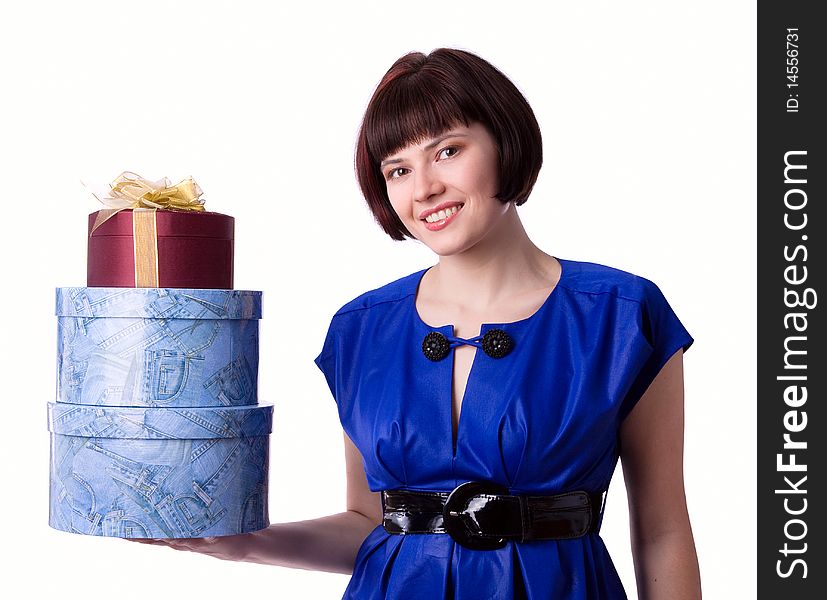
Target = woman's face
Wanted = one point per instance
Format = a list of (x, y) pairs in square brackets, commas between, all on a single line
[(443, 188)]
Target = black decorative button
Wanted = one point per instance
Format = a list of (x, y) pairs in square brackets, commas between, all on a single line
[(497, 343), (435, 346)]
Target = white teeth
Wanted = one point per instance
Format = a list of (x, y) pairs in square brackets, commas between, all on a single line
[(443, 214)]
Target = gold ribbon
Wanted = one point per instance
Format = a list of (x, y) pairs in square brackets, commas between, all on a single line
[(144, 197), (145, 247)]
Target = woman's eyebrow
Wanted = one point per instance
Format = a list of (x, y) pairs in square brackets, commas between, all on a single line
[(442, 138), (437, 141)]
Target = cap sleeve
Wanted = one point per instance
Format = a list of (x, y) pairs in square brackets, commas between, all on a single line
[(665, 335), (326, 360)]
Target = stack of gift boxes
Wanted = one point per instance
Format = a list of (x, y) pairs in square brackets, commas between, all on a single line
[(157, 431)]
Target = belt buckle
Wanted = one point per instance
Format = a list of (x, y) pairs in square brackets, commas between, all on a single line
[(454, 508)]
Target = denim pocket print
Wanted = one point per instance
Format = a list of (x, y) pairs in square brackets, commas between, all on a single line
[(172, 377), (233, 385)]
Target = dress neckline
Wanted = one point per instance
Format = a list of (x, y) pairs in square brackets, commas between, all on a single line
[(417, 280)]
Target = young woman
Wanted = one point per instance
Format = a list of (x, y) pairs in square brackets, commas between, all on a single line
[(485, 400)]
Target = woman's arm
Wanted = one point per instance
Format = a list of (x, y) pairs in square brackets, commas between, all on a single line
[(651, 451), (325, 544)]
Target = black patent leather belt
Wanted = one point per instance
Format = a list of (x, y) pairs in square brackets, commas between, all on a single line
[(484, 516)]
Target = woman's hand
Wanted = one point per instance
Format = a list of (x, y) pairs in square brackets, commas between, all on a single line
[(229, 547), (328, 543)]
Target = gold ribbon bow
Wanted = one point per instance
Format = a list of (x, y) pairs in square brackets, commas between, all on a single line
[(129, 190), (144, 197)]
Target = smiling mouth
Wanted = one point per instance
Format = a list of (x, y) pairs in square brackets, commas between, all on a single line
[(441, 215)]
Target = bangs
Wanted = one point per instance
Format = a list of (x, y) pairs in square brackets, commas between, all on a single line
[(411, 110)]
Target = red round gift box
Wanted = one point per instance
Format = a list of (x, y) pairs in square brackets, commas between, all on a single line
[(195, 250)]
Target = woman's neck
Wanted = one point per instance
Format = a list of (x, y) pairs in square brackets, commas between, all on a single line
[(505, 265)]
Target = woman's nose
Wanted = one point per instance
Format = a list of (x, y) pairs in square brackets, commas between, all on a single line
[(426, 185)]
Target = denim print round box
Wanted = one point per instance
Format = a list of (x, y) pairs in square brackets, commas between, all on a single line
[(158, 472), (157, 347)]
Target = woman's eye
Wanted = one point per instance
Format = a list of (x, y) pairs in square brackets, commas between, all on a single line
[(396, 173), (453, 150)]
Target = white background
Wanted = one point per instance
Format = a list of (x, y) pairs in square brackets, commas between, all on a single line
[(648, 117)]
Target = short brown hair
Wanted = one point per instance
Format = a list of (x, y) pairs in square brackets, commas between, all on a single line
[(422, 96)]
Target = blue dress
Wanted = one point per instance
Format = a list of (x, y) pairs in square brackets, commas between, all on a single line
[(543, 419)]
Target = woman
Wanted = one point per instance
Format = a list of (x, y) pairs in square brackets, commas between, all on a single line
[(580, 364)]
